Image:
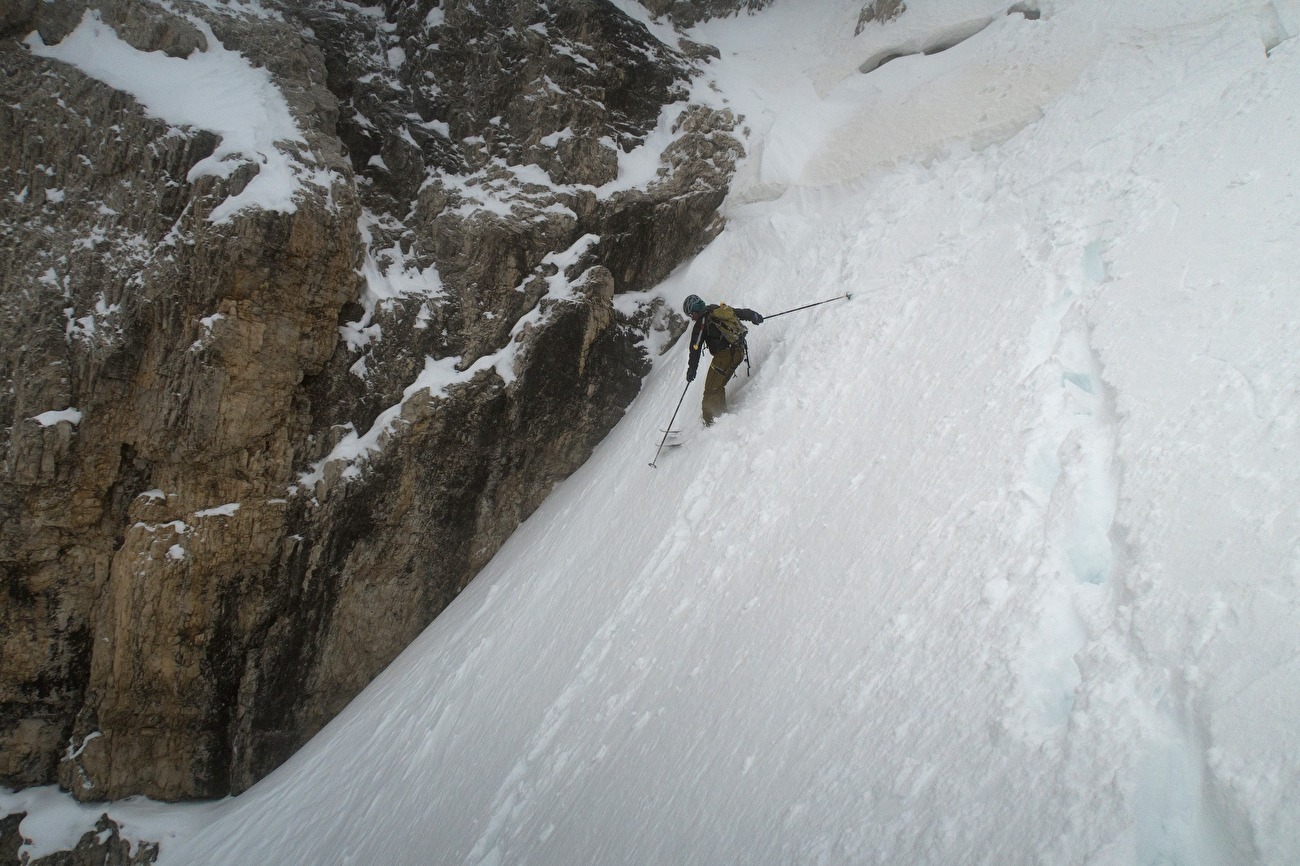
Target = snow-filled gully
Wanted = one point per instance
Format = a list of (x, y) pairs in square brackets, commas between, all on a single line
[(994, 564)]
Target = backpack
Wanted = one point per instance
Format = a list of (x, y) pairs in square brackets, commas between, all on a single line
[(729, 326)]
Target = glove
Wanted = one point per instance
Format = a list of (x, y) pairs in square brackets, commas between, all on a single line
[(758, 318), (690, 375)]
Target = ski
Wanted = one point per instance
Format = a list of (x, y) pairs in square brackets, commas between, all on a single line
[(671, 439), (654, 462)]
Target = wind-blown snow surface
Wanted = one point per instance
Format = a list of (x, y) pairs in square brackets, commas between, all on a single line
[(995, 563)]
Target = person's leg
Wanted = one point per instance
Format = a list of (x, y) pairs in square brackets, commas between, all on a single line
[(721, 370)]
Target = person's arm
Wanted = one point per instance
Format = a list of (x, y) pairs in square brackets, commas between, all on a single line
[(747, 315), (697, 340)]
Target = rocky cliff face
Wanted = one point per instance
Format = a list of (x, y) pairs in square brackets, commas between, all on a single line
[(255, 441)]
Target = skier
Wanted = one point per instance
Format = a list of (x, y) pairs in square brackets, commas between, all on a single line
[(719, 327)]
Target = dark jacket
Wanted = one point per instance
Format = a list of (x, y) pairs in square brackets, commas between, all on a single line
[(706, 333)]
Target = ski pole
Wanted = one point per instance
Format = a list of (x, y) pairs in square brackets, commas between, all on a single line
[(670, 426), (846, 295)]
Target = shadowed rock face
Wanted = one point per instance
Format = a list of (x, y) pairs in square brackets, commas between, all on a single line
[(192, 588), (880, 11), (684, 13)]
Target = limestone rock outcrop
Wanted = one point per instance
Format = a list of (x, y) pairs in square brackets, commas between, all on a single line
[(251, 452)]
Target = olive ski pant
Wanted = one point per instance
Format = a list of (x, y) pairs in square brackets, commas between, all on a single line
[(721, 369)]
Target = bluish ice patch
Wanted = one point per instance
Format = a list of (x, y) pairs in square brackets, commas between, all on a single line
[(1094, 268), (1082, 381)]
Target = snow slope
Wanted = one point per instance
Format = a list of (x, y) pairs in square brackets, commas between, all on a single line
[(995, 563)]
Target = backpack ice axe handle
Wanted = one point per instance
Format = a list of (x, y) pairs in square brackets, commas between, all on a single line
[(845, 296), (669, 428)]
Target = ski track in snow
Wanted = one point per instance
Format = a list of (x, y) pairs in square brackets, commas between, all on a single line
[(994, 563)]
